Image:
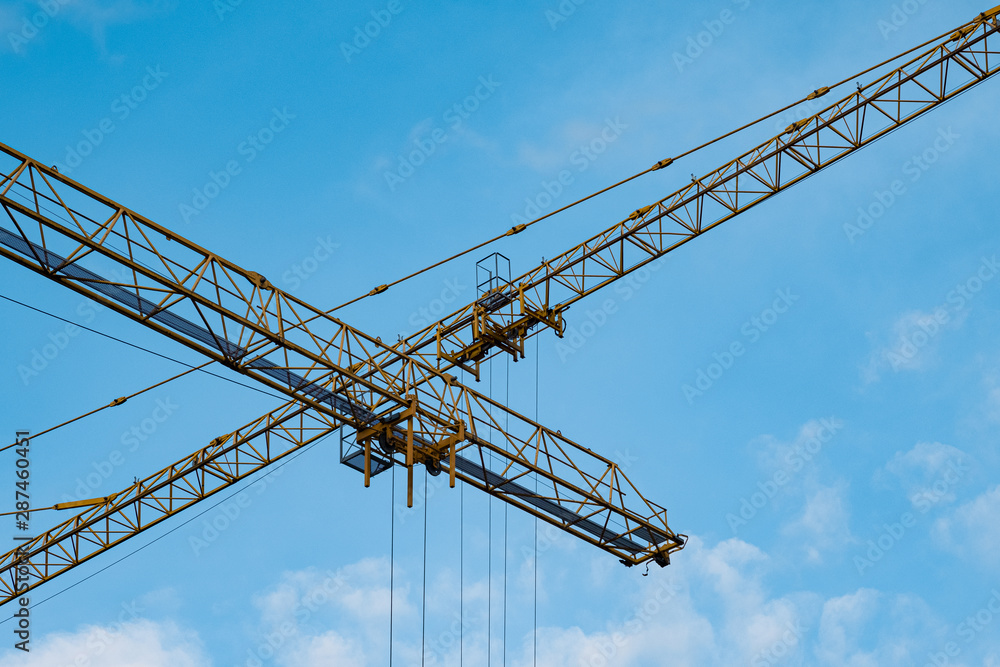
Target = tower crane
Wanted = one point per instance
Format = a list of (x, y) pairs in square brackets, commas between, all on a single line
[(400, 403)]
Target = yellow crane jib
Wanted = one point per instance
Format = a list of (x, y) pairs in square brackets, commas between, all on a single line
[(338, 377)]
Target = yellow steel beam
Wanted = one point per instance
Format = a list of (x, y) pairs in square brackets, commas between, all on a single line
[(342, 376), (939, 73), (238, 318)]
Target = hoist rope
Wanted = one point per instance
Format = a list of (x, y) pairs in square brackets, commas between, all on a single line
[(505, 508), (423, 608), (489, 541), (534, 567), (174, 529), (392, 556), (138, 347), (112, 404), (517, 229)]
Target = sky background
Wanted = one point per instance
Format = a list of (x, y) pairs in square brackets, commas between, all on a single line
[(864, 417)]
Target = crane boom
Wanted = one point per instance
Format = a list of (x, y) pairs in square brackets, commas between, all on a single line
[(539, 297), (404, 412), (399, 397)]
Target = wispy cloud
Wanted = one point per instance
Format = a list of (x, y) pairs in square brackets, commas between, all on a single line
[(924, 472), (972, 529), (158, 644), (911, 345), (98, 16), (823, 526), (21, 18)]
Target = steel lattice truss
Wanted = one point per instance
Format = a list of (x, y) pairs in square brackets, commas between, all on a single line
[(399, 402), (948, 69), (76, 237)]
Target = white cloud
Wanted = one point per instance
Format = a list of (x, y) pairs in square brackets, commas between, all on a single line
[(869, 628), (724, 567), (360, 590), (98, 15), (554, 153), (972, 529), (327, 649), (318, 617), (662, 616), (930, 457), (720, 612), (713, 607), (824, 524), (543, 159), (929, 473), (911, 345), (773, 454), (158, 644), (842, 622), (91, 16), (991, 384), (793, 471), (993, 404)]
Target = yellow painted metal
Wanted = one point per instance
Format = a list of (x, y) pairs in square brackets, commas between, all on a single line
[(797, 125), (368, 462), (933, 76), (90, 502), (409, 459), (337, 375), (818, 93)]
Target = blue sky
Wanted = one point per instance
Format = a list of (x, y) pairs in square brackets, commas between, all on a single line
[(838, 479)]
